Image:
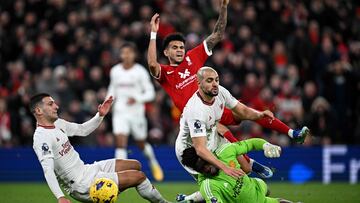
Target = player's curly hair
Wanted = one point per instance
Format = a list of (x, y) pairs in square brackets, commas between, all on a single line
[(190, 158), (173, 37)]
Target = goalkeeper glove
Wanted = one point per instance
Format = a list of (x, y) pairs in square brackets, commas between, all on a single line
[(271, 151)]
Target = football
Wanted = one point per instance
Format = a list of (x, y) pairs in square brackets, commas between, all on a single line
[(104, 190)]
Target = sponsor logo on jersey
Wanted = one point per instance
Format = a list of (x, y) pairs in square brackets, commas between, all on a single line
[(238, 185), (197, 126), (66, 147), (169, 72), (186, 82), (45, 149), (185, 74)]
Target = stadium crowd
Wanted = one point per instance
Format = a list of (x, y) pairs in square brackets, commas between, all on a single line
[(300, 59)]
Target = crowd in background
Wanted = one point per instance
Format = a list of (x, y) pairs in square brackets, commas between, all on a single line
[(298, 58)]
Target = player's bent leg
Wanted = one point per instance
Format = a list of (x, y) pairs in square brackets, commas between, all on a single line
[(121, 141), (146, 190), (127, 164), (130, 178)]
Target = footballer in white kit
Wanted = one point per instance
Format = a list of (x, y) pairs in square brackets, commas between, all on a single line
[(62, 165), (200, 119), (131, 86), (55, 153), (125, 84)]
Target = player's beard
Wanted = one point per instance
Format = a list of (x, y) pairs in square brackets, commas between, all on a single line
[(212, 93)]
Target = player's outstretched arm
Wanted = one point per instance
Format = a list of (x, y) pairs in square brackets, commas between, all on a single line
[(246, 113), (270, 150), (153, 64), (218, 33)]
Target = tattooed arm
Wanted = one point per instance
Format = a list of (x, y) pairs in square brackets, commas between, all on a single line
[(219, 29)]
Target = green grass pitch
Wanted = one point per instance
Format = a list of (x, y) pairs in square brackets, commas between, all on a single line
[(307, 193)]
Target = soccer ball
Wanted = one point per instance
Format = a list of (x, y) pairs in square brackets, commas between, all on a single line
[(104, 190)]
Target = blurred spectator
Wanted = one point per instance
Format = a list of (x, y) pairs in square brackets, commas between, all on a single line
[(293, 48), (321, 120), (5, 133)]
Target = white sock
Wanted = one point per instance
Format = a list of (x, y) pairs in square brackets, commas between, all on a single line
[(149, 153), (251, 162), (149, 192), (290, 133), (196, 197), (120, 153)]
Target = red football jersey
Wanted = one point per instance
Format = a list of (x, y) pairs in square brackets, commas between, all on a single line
[(180, 81)]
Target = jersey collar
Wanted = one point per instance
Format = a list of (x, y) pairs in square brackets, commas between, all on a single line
[(203, 101), (46, 126)]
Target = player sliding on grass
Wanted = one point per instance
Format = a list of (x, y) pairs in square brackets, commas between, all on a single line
[(179, 80), (217, 187), (60, 161)]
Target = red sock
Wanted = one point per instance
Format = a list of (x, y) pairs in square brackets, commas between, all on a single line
[(229, 136), (275, 124), (246, 157)]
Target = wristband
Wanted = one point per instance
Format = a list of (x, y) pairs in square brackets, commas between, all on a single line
[(153, 35)]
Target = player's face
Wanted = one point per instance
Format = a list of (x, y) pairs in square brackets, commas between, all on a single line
[(206, 168), (210, 84), (127, 55), (49, 109), (175, 52)]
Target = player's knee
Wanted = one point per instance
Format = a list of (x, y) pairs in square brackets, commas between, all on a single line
[(136, 165), (139, 177)]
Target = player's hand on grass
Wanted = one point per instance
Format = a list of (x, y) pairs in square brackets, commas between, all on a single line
[(154, 23), (233, 172), (271, 151), (105, 107), (63, 200)]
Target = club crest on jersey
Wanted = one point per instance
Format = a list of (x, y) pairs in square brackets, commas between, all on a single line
[(188, 60), (45, 149), (185, 74), (197, 127)]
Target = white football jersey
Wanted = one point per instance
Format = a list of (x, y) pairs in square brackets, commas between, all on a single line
[(52, 142), (130, 83), (200, 119)]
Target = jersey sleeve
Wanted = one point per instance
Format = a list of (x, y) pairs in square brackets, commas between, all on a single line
[(198, 55), (43, 146), (148, 91), (243, 147), (162, 74), (83, 129), (230, 101), (196, 122)]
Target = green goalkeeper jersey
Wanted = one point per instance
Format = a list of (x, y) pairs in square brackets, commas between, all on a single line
[(226, 189)]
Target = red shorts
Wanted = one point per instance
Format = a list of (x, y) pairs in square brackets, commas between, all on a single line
[(227, 118)]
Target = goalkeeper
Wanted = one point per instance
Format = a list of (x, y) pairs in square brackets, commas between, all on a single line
[(217, 187)]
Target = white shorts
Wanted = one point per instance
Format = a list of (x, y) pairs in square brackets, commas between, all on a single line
[(134, 125), (101, 169)]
